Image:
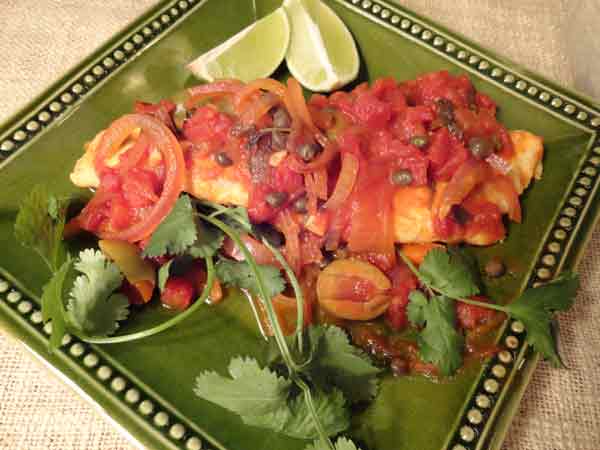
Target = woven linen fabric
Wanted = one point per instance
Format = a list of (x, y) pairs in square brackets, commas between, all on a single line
[(41, 39)]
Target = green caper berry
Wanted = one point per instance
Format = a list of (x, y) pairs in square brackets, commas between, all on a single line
[(281, 119), (308, 151), (223, 159), (402, 177), (495, 268), (300, 205), (276, 199), (481, 147), (419, 141)]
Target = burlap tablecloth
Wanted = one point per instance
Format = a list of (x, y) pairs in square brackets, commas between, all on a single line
[(40, 39)]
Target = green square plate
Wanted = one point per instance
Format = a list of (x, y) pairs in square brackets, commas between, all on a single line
[(146, 386)]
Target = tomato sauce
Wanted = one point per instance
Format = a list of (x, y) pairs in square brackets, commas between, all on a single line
[(325, 174)]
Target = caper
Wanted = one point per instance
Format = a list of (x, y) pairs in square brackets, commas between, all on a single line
[(279, 139), (445, 111), (481, 147), (419, 141), (495, 268), (300, 205), (276, 199), (268, 232), (281, 119), (223, 159), (402, 177), (308, 151)]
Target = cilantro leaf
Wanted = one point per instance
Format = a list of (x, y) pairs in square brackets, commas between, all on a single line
[(463, 256), (176, 232), (39, 225), (261, 398), (447, 274), (342, 443), (93, 308), (416, 308), (336, 361), (535, 307), (250, 390), (239, 274), (294, 419), (209, 241), (52, 304), (439, 342)]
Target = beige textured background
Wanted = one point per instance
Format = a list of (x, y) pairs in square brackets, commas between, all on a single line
[(40, 39)]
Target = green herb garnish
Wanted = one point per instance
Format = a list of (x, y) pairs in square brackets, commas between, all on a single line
[(447, 278), (342, 443), (93, 308), (240, 275), (40, 224), (53, 307), (176, 233), (266, 400), (439, 341)]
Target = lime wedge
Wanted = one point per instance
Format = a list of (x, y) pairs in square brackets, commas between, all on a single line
[(255, 52), (322, 54)]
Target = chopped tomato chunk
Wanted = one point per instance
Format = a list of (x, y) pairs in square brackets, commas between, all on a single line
[(177, 294)]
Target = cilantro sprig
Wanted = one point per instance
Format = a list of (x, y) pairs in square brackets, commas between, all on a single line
[(93, 308), (309, 400), (315, 413), (447, 278), (40, 224)]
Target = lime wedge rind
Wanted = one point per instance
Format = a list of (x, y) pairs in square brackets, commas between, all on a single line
[(322, 54), (318, 47), (254, 52)]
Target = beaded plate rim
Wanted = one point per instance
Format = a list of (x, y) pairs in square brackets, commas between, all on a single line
[(485, 402)]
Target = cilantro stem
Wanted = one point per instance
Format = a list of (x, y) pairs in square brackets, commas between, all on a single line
[(277, 332), (477, 303), (415, 271), (293, 368), (433, 289), (223, 210), (210, 276), (297, 291), (313, 411)]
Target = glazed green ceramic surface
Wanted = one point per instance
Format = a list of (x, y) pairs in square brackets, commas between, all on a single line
[(146, 386)]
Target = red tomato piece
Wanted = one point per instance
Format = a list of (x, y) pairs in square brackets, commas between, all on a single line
[(161, 111), (470, 316), (208, 125), (413, 121), (403, 282), (141, 188), (120, 214), (177, 294), (371, 111)]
